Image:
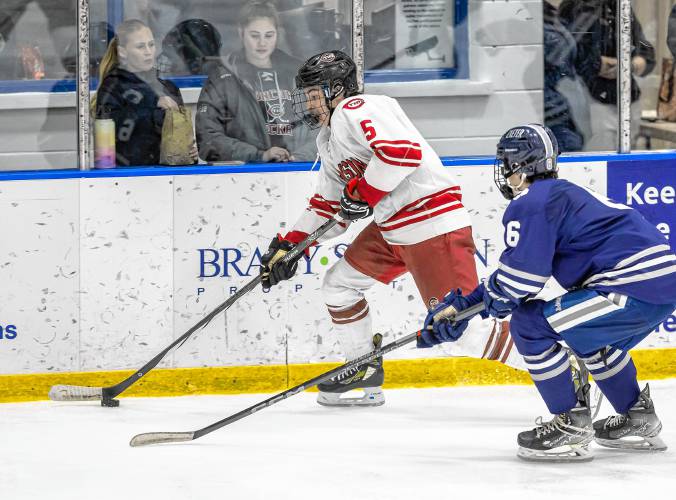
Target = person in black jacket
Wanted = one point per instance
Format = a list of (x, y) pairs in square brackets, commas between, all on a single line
[(244, 111), (593, 23), (133, 96), (560, 51), (671, 32)]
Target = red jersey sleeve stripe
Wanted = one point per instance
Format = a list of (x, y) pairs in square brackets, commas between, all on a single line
[(396, 163), (370, 194), (319, 203), (398, 143), (401, 153)]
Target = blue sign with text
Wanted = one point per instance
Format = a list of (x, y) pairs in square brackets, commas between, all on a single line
[(7, 332), (650, 188)]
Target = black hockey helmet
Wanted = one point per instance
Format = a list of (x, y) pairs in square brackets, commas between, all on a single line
[(530, 150), (333, 69), (190, 46), (335, 73)]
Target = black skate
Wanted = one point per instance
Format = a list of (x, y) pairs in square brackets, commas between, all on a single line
[(369, 378), (637, 430), (565, 438)]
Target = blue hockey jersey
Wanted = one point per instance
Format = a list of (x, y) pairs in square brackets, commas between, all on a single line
[(556, 228)]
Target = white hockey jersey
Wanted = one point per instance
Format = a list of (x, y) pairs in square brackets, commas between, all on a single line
[(414, 196)]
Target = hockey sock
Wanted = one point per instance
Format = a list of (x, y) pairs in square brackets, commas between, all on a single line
[(352, 325), (615, 374), (551, 374)]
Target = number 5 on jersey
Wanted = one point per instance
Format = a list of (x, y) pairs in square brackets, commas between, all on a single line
[(369, 131)]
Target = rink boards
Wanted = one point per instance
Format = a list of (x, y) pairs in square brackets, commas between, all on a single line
[(102, 270)]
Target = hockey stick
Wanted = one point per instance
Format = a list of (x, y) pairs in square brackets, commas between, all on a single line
[(106, 394), (177, 437)]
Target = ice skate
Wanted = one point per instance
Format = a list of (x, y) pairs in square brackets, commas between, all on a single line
[(566, 437), (637, 430), (367, 378)]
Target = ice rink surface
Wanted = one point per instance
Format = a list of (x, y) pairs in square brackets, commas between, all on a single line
[(422, 444)]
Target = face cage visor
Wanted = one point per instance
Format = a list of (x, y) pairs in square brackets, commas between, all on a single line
[(311, 105), (500, 175)]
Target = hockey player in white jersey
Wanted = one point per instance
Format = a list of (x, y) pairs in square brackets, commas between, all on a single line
[(620, 277), (374, 161)]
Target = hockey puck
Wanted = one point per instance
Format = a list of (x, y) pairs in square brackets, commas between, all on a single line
[(110, 403)]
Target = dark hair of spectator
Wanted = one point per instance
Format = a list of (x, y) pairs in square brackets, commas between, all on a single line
[(257, 10), (110, 58)]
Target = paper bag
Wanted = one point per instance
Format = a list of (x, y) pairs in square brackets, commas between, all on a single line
[(177, 137)]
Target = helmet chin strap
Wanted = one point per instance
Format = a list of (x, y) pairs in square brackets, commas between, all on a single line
[(329, 101), (517, 189)]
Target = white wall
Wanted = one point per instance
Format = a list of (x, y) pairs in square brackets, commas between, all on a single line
[(101, 274)]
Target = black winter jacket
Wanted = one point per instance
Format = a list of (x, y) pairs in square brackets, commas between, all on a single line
[(230, 123), (132, 104), (671, 32), (594, 26)]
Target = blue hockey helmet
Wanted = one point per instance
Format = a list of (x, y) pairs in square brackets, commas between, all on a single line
[(530, 150)]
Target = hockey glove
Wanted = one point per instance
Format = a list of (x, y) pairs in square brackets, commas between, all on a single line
[(351, 205), (440, 318), (273, 269), (497, 304)]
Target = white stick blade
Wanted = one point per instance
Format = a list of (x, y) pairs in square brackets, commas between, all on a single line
[(75, 393), (160, 437)]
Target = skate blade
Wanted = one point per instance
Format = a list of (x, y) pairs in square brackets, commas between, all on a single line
[(638, 443), (370, 397), (561, 454)]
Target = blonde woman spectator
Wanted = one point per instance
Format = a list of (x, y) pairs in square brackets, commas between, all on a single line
[(133, 96)]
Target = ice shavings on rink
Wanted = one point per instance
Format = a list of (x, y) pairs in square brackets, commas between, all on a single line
[(423, 443)]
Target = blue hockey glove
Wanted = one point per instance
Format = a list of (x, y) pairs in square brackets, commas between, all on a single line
[(445, 329), (497, 305)]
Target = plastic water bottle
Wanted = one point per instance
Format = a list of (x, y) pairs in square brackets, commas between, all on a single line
[(104, 143)]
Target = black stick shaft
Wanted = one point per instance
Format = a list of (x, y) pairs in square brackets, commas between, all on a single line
[(116, 390), (467, 313)]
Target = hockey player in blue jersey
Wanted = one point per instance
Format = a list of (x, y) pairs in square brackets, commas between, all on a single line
[(620, 274)]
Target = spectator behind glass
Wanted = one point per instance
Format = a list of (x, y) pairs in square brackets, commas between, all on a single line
[(560, 51), (131, 94), (593, 24), (671, 32), (244, 111)]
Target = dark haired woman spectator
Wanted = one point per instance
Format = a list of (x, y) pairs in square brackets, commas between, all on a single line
[(244, 110)]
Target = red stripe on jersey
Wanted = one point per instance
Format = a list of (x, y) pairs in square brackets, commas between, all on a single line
[(435, 199), (421, 218), (370, 194), (399, 153), (427, 207), (319, 203)]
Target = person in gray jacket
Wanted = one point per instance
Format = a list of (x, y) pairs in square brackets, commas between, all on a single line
[(244, 111)]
